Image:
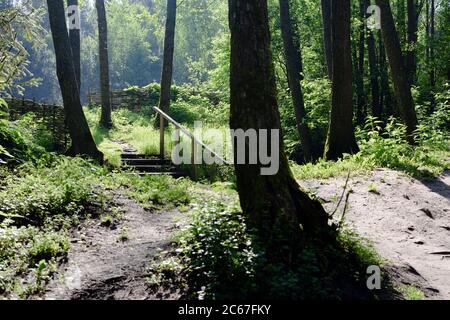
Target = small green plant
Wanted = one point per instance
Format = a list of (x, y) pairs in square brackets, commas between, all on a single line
[(164, 271), (107, 221), (123, 234), (373, 188), (47, 246), (412, 293), (217, 251)]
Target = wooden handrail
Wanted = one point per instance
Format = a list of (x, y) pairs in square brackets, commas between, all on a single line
[(195, 140)]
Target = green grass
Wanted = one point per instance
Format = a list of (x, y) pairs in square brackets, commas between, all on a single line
[(386, 149), (133, 128), (328, 169), (153, 192)]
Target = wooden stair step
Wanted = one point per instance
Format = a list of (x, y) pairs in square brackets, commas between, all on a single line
[(133, 155), (175, 174), (154, 168), (137, 161), (150, 165)]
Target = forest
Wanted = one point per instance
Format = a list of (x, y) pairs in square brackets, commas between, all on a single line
[(264, 150)]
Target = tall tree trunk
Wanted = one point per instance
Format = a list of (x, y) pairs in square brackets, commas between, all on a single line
[(385, 94), (294, 69), (105, 119), (374, 72), (361, 97), (74, 36), (167, 68), (326, 16), (341, 136), (413, 23), (275, 205), (432, 62), (82, 141), (401, 21), (400, 79)]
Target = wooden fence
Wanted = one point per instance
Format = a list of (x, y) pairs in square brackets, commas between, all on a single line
[(123, 99), (51, 116)]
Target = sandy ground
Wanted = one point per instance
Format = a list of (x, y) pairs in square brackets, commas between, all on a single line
[(407, 220)]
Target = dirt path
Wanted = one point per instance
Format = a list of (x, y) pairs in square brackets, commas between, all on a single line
[(407, 220), (101, 265)]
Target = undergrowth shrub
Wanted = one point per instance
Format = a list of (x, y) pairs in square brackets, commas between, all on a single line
[(387, 147), (66, 187), (19, 141), (26, 250)]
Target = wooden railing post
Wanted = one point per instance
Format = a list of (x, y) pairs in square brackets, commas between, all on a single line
[(177, 136), (193, 157), (161, 136)]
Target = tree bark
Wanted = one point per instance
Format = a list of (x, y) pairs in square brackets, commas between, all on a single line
[(400, 79), (361, 97), (374, 72), (82, 141), (74, 36), (401, 21), (274, 204), (432, 62), (413, 23), (326, 16), (294, 68), (167, 68), (105, 119), (385, 94), (341, 136)]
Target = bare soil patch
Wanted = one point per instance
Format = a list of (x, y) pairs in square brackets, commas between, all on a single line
[(407, 220)]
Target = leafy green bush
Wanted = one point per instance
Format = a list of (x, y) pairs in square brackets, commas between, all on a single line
[(47, 246), (387, 147), (217, 250), (67, 187), (17, 144), (26, 250)]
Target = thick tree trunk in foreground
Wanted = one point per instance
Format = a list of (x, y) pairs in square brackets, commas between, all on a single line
[(167, 68), (341, 136), (105, 119), (326, 16), (275, 205), (294, 66), (74, 36), (82, 141), (400, 78)]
